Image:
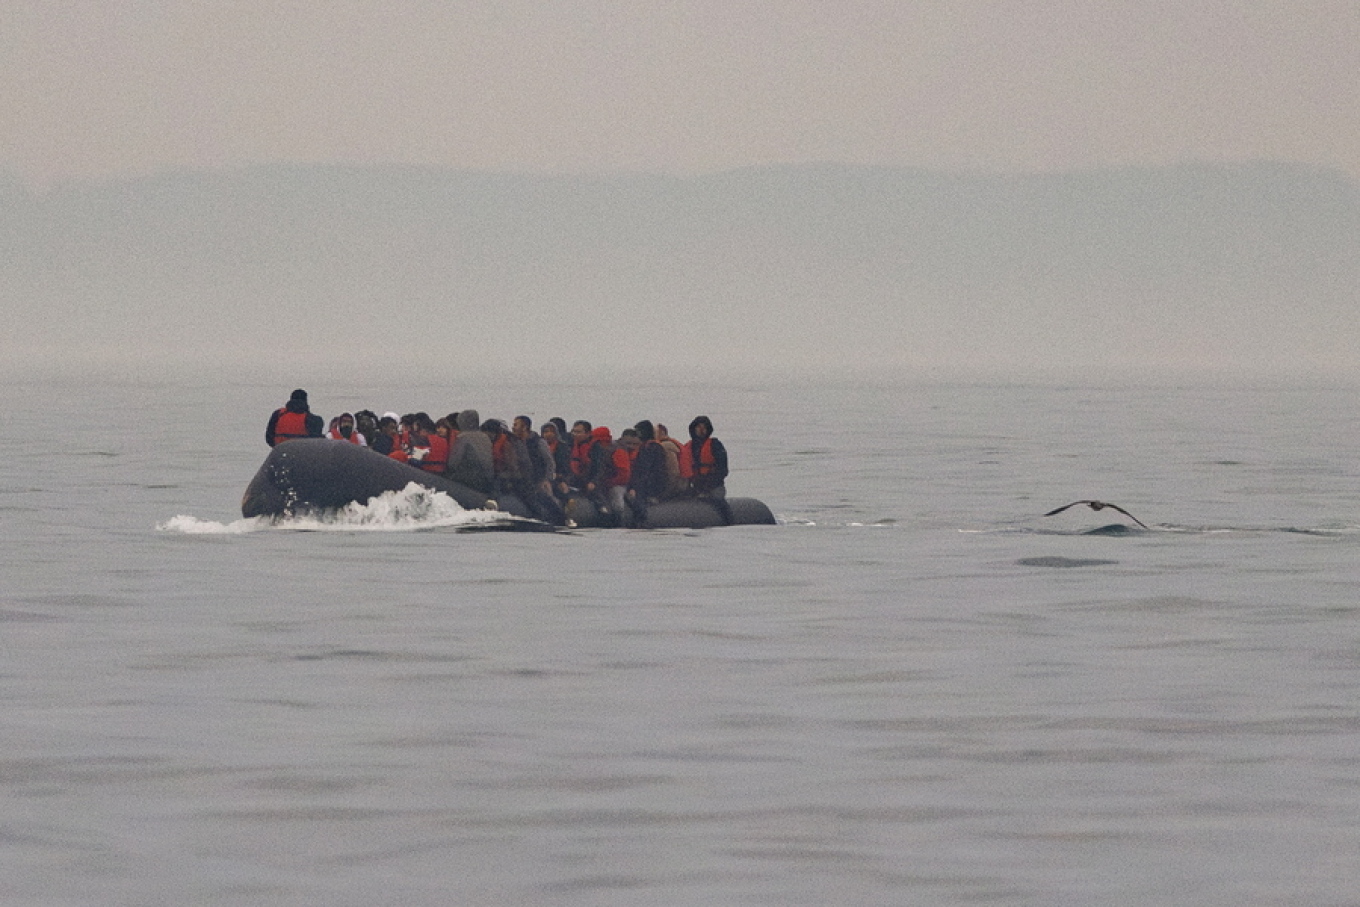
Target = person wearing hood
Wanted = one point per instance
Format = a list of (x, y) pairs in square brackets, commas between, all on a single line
[(293, 420), (342, 429), (470, 458), (708, 466)]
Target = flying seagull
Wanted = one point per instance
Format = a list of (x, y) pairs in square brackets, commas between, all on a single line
[(1099, 505)]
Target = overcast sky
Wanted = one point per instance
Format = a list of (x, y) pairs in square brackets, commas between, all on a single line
[(96, 88)]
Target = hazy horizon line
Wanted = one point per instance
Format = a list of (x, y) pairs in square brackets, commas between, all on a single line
[(40, 187)]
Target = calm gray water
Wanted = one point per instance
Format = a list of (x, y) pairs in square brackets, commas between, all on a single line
[(914, 691)]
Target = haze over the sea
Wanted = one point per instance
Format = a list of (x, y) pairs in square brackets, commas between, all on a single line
[(775, 270), (977, 186)]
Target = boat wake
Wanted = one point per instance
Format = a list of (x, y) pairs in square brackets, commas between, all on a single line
[(413, 509)]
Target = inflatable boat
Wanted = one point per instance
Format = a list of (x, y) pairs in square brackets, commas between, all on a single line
[(318, 474)]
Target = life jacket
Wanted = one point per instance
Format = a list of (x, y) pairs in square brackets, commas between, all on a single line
[(354, 436), (704, 464), (685, 461), (290, 426), (502, 456), (437, 457), (580, 458), (623, 468)]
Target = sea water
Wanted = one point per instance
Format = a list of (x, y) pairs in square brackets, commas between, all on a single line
[(915, 690)]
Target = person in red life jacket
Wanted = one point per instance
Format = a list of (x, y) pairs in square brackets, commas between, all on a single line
[(579, 462), (342, 429), (404, 431), (647, 479), (293, 420), (630, 442), (447, 428), (425, 449), (708, 466)]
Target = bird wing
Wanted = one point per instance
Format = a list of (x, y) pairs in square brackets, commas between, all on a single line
[(1127, 514), (1065, 506)]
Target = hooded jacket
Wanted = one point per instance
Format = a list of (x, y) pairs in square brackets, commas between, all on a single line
[(335, 434), (470, 460), (707, 458)]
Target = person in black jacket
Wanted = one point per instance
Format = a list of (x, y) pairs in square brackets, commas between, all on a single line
[(536, 488), (708, 466), (647, 479)]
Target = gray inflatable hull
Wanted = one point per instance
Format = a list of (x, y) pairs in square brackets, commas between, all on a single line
[(319, 474)]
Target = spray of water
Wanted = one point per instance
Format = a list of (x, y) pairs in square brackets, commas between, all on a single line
[(412, 509)]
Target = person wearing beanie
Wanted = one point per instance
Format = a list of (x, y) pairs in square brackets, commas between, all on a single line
[(293, 420)]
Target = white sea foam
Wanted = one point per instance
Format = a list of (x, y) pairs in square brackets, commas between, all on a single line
[(414, 508)]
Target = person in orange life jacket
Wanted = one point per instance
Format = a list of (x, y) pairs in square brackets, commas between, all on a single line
[(708, 466), (647, 478), (293, 420), (536, 488), (677, 482), (342, 429), (427, 449), (630, 442), (580, 463)]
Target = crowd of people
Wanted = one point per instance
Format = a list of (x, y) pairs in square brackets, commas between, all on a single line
[(547, 468)]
